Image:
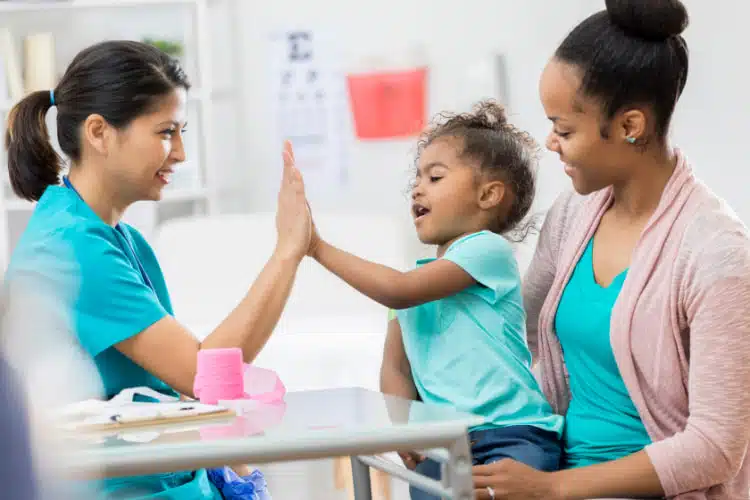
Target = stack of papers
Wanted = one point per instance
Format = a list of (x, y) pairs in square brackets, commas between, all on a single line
[(121, 411)]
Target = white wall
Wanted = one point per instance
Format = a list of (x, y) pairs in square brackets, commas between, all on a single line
[(708, 126), (711, 124), (453, 36)]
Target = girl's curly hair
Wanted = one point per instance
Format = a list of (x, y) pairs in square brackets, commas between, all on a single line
[(502, 151)]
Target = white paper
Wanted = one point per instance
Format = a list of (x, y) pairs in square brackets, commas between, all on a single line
[(138, 412), (308, 93), (122, 409)]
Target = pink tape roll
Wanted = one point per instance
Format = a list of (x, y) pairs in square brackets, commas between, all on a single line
[(219, 375)]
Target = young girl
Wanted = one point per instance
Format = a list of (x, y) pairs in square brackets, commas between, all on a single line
[(459, 337)]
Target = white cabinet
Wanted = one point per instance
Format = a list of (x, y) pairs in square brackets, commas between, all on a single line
[(198, 24)]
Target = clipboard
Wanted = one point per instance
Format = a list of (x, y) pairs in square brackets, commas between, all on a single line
[(137, 415)]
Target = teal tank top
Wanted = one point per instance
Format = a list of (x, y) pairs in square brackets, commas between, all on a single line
[(602, 423)]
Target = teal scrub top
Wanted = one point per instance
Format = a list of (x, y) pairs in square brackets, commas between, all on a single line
[(105, 283), (602, 423), (469, 350)]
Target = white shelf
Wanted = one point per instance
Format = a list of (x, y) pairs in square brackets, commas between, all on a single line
[(20, 7), (180, 198)]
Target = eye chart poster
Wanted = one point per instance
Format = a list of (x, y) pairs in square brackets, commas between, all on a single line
[(308, 90)]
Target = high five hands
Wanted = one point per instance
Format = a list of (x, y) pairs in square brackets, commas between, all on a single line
[(297, 235)]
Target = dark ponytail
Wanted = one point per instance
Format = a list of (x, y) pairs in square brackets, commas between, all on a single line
[(119, 80), (33, 164)]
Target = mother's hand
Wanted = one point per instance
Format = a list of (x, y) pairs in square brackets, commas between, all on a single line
[(511, 480), (293, 220)]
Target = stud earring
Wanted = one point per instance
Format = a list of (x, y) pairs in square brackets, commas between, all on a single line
[(630, 140)]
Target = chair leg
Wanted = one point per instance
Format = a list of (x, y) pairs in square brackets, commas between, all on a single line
[(381, 484), (342, 473), (343, 479)]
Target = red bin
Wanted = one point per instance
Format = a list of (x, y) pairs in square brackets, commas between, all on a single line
[(388, 105)]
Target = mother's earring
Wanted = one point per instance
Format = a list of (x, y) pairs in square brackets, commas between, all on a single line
[(630, 140)]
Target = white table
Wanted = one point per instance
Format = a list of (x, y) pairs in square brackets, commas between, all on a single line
[(308, 425)]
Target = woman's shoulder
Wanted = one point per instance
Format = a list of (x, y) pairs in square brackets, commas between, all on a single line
[(711, 222), (73, 236), (61, 217), (714, 241), (716, 208), (61, 243)]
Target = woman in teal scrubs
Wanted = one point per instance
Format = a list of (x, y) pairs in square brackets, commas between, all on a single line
[(121, 117)]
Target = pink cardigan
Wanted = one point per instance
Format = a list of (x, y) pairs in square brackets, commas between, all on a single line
[(680, 330)]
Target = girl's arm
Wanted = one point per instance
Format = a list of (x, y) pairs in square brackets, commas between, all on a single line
[(389, 287), (396, 379), (395, 371)]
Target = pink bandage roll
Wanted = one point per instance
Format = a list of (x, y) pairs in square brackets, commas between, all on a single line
[(219, 375)]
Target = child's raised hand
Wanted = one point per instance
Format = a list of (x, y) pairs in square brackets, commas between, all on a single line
[(314, 237), (293, 221)]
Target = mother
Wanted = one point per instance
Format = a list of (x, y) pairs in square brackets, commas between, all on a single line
[(638, 296)]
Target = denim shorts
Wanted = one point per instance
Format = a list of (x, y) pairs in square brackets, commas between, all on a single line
[(527, 444)]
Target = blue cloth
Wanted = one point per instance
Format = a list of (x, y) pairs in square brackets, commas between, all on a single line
[(469, 350), (602, 422), (106, 284), (526, 444), (234, 487)]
